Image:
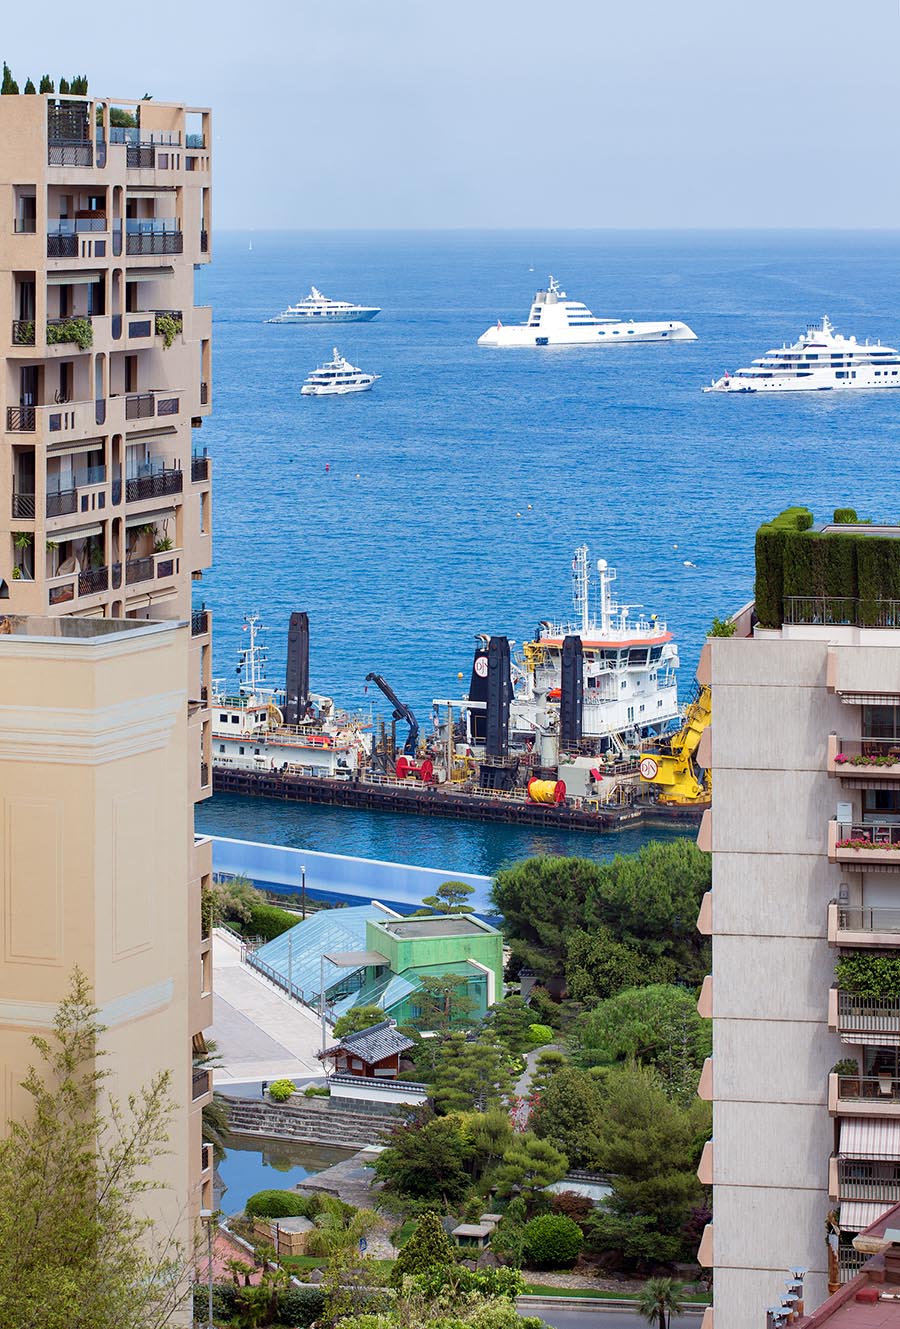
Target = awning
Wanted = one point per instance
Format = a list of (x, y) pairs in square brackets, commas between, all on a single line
[(857, 1215), (870, 698), (145, 518), (83, 277), (349, 959), (161, 432), (81, 533), (70, 449), (870, 1137), (163, 595), (149, 274), (147, 192), (139, 602)]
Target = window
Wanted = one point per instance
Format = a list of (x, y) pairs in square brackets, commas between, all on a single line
[(880, 722), (630, 713), (221, 747), (241, 749), (235, 719), (223, 718)]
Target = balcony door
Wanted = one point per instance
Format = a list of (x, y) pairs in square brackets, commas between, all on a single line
[(28, 385)]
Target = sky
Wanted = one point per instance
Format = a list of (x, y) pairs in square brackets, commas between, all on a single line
[(524, 114)]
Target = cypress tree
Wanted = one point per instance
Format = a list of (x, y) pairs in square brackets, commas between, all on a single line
[(30, 88), (64, 85), (9, 87), (428, 1248), (46, 84)]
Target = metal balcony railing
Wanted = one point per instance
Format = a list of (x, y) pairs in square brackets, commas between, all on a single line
[(201, 1082), (93, 580), (875, 1015), (204, 393), (869, 836), (199, 468), (20, 419), (204, 775), (204, 242), (139, 406), (864, 753), (62, 245), (23, 332), (61, 153), (140, 156), (155, 485), (59, 329), (883, 1088), (138, 569), (154, 242), (141, 327), (868, 918), (62, 503), (841, 611), (22, 505), (194, 141), (861, 1179), (199, 622)]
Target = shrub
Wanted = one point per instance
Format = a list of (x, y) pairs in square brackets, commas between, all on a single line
[(539, 1034), (77, 330), (168, 328), (722, 627), (869, 975), (317, 1091), (300, 1306), (281, 1090), (268, 921), (280, 1204), (845, 517), (572, 1205), (428, 1248), (224, 1302), (552, 1241)]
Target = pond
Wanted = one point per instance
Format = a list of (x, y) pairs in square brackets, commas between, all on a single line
[(251, 1164)]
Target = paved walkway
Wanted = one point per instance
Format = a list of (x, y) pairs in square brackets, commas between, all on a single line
[(258, 1032)]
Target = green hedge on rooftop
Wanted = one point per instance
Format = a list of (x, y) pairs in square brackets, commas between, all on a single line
[(793, 560)]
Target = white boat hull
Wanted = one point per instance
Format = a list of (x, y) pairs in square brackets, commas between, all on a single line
[(610, 334), (342, 316), (815, 383), (327, 390)]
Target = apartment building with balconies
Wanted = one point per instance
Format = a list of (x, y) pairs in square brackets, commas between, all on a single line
[(105, 487), (804, 747)]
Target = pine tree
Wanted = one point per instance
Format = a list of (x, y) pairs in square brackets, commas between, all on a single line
[(64, 86), (428, 1248), (30, 88), (9, 87), (46, 84), (79, 85)]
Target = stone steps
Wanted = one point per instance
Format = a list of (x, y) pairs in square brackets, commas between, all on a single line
[(308, 1122)]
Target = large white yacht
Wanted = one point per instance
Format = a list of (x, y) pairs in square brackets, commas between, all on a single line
[(819, 360), (555, 320), (335, 377), (317, 308)]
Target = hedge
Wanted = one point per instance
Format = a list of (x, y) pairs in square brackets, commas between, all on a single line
[(268, 921), (792, 560), (870, 974), (281, 1204)]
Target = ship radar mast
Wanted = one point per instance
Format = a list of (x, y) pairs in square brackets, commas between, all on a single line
[(252, 657), (581, 591)]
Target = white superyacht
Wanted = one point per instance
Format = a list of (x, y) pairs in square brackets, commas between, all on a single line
[(317, 308), (555, 320), (821, 359), (336, 377)]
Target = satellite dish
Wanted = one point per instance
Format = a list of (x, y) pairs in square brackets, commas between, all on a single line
[(602, 565)]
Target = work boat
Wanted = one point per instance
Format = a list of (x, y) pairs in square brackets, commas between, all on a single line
[(317, 308), (249, 731), (555, 320), (336, 377), (629, 688), (818, 361)]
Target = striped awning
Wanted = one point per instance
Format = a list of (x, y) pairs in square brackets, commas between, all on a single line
[(71, 449), (148, 274), (84, 277), (857, 1215), (77, 533), (870, 698), (145, 518), (870, 1137)]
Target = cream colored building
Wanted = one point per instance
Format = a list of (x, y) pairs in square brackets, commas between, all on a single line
[(793, 706), (105, 520)]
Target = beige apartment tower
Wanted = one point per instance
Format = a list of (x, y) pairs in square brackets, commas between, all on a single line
[(805, 832), (105, 524)]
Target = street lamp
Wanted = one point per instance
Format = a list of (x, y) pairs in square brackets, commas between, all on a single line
[(207, 1218)]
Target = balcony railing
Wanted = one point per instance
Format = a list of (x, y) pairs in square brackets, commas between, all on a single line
[(140, 156), (863, 1180), (139, 406), (62, 503), (90, 221), (204, 242), (841, 611), (868, 918), (204, 775), (204, 393), (22, 505), (199, 468), (20, 419), (138, 569), (61, 153), (93, 580), (194, 141), (869, 1015), (66, 331), (141, 327), (155, 485), (62, 245), (870, 837), (23, 332), (865, 755), (881, 1088), (201, 1082), (199, 622), (154, 242)]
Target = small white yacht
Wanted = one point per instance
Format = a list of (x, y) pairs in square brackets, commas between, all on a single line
[(555, 320), (821, 359), (317, 308), (336, 377)]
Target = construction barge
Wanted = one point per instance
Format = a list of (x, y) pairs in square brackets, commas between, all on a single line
[(577, 732), (435, 801)]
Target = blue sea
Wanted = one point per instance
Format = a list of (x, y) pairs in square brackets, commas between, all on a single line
[(449, 499)]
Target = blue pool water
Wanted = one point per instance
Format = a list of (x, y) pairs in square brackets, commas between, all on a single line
[(252, 1165), (410, 543)]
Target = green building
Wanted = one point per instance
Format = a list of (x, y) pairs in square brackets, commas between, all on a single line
[(380, 958)]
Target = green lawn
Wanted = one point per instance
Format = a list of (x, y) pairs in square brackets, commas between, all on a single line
[(545, 1290)]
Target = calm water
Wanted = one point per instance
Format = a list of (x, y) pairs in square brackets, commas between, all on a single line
[(411, 542), (252, 1165)]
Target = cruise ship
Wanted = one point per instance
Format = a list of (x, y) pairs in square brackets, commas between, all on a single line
[(821, 359), (317, 308), (555, 320), (336, 377)]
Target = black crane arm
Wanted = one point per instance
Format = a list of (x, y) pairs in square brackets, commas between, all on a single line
[(401, 712)]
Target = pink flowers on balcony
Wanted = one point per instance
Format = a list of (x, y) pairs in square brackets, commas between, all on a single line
[(860, 843), (840, 758)]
